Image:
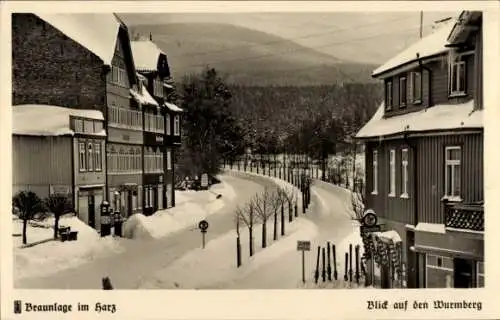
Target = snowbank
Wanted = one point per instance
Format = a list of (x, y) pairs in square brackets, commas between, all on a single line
[(218, 259), (53, 256), (191, 207)]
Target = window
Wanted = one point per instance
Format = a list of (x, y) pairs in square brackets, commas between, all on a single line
[(392, 173), (457, 78), (98, 157), (111, 200), (168, 131), (134, 201), (402, 92), (169, 159), (388, 95), (439, 262), (151, 197), (82, 157), (125, 118), (177, 125), (139, 197), (404, 173), (158, 88), (452, 173), (88, 126), (480, 274), (90, 157), (78, 125), (98, 126), (119, 76), (416, 87)]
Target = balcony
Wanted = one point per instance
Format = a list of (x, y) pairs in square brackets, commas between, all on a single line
[(465, 216)]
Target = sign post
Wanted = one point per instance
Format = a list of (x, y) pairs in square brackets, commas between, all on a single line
[(204, 181), (303, 246), (203, 226)]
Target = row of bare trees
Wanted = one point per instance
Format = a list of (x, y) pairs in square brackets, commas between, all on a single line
[(273, 205)]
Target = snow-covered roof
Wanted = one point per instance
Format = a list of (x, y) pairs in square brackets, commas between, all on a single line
[(46, 120), (438, 117), (428, 46), (95, 31), (143, 97), (166, 85), (173, 107), (146, 54)]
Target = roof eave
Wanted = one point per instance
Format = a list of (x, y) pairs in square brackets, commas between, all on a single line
[(400, 68)]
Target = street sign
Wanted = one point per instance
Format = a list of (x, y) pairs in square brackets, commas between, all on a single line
[(203, 225), (204, 180), (303, 245), (367, 229)]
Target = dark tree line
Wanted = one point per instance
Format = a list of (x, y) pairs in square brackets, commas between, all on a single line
[(222, 121)]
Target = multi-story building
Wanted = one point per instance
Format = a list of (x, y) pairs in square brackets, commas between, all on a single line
[(84, 61), (159, 119), (60, 150), (424, 162)]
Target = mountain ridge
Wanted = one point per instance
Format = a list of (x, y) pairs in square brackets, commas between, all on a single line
[(247, 56)]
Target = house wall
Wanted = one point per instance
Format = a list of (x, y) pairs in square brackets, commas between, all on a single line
[(50, 68), (430, 176), (38, 162), (431, 159), (435, 86)]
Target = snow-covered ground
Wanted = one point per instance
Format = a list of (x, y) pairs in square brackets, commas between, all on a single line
[(190, 208), (49, 257), (52, 256), (215, 265)]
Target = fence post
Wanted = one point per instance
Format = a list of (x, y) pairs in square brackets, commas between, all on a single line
[(316, 273), (329, 266)]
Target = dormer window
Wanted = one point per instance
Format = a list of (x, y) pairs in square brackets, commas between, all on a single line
[(388, 95), (457, 77), (402, 92)]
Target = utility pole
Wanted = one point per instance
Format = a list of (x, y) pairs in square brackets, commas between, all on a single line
[(421, 23)]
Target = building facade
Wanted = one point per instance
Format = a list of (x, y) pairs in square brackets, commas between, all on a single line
[(161, 126), (424, 162), (85, 62), (60, 150)]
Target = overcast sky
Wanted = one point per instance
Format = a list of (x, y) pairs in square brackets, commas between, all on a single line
[(387, 33)]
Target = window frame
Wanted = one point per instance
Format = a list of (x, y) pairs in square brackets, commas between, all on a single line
[(404, 173), (177, 125), (169, 159), (392, 173), (168, 129), (82, 156), (98, 156), (389, 95), (454, 77), (403, 99), (414, 83), (375, 172), (449, 194)]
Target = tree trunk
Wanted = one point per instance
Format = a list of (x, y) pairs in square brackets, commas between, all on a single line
[(56, 226), (250, 232), (275, 230), (290, 212), (25, 228), (282, 219), (264, 236)]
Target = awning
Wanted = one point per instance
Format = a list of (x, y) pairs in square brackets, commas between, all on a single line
[(144, 97), (173, 107)]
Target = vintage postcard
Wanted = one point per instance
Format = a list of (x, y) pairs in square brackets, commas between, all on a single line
[(257, 160)]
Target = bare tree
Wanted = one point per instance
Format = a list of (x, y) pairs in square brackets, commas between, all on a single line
[(246, 215), (262, 205), (276, 204), (282, 198), (290, 195), (358, 200)]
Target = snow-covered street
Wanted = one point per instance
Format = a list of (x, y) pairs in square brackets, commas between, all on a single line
[(143, 256), (172, 257)]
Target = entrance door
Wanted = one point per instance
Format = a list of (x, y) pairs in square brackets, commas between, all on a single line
[(412, 263), (463, 273), (91, 210)]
